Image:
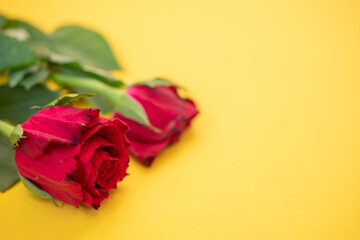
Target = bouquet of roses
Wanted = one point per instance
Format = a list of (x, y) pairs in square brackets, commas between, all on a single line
[(69, 153)]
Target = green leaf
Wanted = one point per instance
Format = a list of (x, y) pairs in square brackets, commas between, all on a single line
[(155, 82), (37, 77), (16, 76), (8, 171), (30, 76), (87, 71), (37, 37), (64, 100), (85, 46), (15, 102), (2, 21), (69, 66), (33, 188), (97, 73), (16, 135), (14, 54), (18, 33)]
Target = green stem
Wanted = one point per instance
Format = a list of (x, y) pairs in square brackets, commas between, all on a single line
[(6, 129), (122, 103), (111, 93)]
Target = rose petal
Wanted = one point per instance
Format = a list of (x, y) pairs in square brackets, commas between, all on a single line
[(87, 200), (55, 165), (146, 152), (84, 164), (111, 174), (62, 124), (165, 109), (98, 199), (90, 184)]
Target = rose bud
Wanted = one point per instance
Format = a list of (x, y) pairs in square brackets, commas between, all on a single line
[(166, 111), (73, 154)]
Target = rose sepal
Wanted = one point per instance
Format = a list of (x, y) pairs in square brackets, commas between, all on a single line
[(16, 135), (155, 82), (65, 100), (34, 189)]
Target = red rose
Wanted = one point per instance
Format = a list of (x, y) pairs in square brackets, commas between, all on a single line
[(166, 111), (73, 154)]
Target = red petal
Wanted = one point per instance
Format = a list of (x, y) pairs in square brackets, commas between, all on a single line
[(146, 152), (98, 199), (61, 124), (87, 151)]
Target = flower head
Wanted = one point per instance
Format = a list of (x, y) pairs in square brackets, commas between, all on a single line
[(166, 111), (73, 154)]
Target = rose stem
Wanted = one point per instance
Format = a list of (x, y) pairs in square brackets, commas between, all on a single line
[(113, 94), (6, 129)]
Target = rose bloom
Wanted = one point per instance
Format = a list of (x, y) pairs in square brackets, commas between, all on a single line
[(73, 154), (166, 111)]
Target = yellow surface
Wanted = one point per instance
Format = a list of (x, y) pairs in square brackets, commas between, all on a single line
[(273, 155)]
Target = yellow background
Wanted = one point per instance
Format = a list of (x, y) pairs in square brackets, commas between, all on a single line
[(273, 155)]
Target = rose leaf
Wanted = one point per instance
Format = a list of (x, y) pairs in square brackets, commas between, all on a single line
[(14, 54), (84, 45), (8, 171), (15, 103)]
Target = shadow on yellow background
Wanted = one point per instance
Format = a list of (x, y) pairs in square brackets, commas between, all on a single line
[(274, 153)]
